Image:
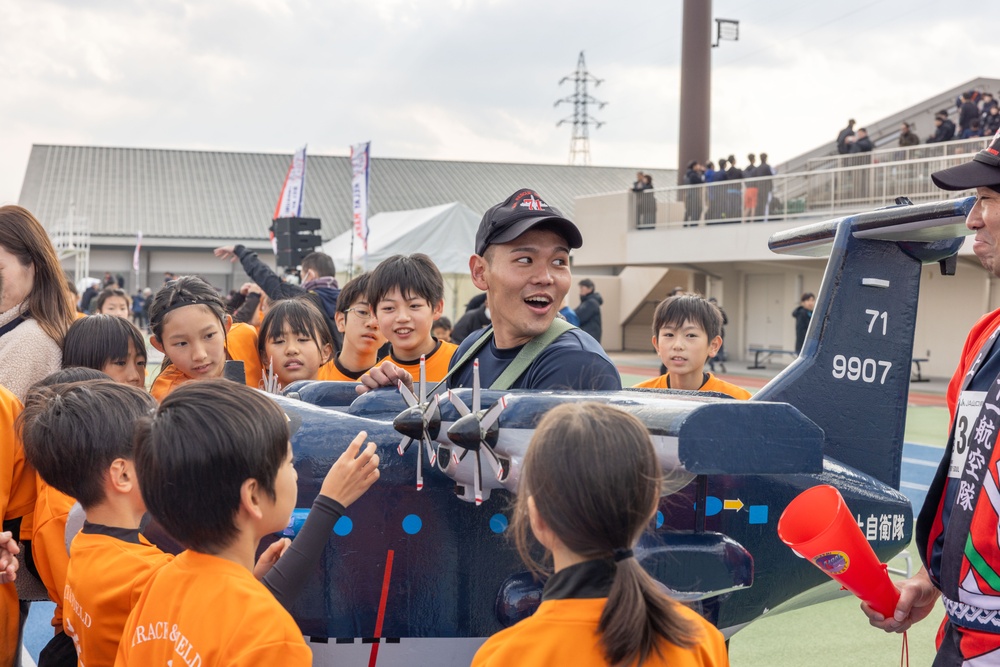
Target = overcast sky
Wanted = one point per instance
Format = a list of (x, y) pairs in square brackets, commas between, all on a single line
[(461, 79)]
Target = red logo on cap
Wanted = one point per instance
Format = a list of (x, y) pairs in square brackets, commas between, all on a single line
[(529, 200)]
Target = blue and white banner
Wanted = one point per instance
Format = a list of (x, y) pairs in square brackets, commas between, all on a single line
[(359, 191)]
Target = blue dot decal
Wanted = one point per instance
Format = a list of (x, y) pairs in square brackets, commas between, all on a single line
[(498, 523), (412, 524), (659, 519), (713, 506), (343, 527)]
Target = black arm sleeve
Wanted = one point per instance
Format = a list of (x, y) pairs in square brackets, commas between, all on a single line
[(245, 312), (289, 574), (265, 277)]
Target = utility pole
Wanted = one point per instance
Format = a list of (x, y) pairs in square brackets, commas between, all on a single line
[(579, 144), (696, 84)]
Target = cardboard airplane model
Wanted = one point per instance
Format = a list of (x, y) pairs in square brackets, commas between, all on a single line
[(422, 570)]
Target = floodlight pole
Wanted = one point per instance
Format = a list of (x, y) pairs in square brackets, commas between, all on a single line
[(696, 84)]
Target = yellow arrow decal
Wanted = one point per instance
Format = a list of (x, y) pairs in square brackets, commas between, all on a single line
[(732, 504)]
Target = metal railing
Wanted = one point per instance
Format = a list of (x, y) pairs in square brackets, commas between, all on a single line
[(899, 154), (831, 192)]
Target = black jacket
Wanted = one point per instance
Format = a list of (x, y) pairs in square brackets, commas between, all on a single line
[(968, 113), (324, 297), (944, 132), (802, 317), (589, 312), (473, 320), (862, 145)]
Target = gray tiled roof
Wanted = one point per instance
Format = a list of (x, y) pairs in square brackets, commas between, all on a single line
[(216, 195)]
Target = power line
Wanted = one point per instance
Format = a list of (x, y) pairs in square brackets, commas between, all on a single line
[(579, 143)]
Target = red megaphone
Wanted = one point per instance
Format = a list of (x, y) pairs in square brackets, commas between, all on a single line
[(818, 526)]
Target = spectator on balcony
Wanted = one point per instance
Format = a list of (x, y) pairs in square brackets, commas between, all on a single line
[(640, 183), (991, 122), (734, 173), (967, 113), (862, 144), (692, 195), (945, 129), (716, 193), (709, 171), (647, 182), (907, 137), (988, 102), (974, 130), (750, 191), (843, 145), (764, 187)]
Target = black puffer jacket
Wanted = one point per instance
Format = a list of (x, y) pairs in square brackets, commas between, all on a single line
[(589, 312)]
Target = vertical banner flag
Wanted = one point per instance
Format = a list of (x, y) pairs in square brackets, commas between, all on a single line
[(290, 202), (359, 192), (135, 255)]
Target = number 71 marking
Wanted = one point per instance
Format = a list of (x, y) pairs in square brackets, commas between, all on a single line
[(875, 315)]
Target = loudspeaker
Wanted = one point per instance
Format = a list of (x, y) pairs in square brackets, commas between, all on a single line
[(295, 238)]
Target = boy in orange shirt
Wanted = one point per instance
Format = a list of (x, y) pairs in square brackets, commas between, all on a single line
[(687, 332), (218, 483), (408, 295), (79, 435), (355, 319)]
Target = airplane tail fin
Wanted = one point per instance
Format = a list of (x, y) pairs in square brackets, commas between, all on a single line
[(852, 376)]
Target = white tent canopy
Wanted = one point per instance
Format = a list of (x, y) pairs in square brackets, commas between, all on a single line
[(446, 233)]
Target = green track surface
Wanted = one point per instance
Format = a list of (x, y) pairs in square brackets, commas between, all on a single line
[(926, 425)]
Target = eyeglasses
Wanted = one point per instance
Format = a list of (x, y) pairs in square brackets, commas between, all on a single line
[(360, 311)]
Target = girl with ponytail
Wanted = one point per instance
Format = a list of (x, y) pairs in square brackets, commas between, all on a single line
[(589, 487)]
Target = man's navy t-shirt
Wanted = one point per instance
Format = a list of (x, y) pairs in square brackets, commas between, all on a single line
[(574, 360)]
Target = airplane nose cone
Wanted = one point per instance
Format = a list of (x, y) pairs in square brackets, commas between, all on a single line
[(410, 422), (465, 432)]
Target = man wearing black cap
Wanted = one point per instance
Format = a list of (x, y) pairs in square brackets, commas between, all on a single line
[(957, 530), (521, 260)]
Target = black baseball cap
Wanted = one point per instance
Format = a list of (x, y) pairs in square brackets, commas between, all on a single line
[(517, 214), (983, 171)]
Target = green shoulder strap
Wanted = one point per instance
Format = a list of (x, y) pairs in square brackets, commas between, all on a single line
[(520, 364), (529, 353)]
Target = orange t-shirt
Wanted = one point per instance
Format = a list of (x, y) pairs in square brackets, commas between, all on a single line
[(241, 345), (17, 498), (48, 542), (108, 570), (205, 610), (331, 371), (564, 632), (712, 384), (436, 362)]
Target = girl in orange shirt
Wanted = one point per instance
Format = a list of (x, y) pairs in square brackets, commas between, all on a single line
[(588, 508), (294, 341), (190, 327)]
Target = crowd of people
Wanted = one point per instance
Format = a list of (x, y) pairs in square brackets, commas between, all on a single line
[(727, 201), (96, 467)]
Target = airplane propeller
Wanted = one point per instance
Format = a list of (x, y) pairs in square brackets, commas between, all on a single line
[(420, 422), (477, 431)]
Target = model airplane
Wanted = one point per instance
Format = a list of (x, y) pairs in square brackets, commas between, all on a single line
[(422, 570)]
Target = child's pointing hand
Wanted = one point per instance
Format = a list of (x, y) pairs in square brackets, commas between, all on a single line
[(353, 473)]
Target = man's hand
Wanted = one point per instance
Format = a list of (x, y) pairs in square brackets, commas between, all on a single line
[(226, 252), (270, 557), (387, 374), (8, 560), (353, 473), (917, 597)]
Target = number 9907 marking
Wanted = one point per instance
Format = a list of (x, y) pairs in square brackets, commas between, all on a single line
[(854, 369)]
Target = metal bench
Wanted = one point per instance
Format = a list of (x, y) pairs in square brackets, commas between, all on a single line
[(767, 353), (917, 377)]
